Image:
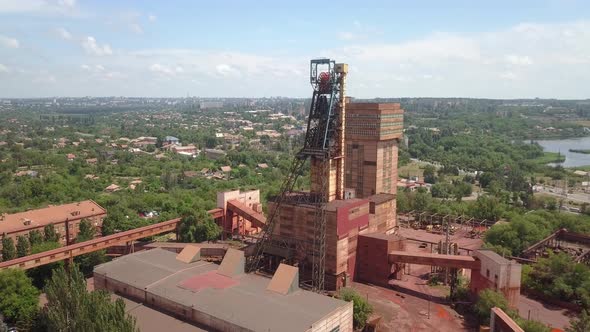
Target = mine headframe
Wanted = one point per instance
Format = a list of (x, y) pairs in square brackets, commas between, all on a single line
[(321, 144)]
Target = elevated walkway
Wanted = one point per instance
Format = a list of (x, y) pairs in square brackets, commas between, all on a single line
[(69, 252), (257, 219), (452, 261)]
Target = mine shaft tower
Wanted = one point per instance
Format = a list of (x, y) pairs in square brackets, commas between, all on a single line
[(324, 146)]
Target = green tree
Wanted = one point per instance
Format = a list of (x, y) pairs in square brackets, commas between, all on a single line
[(487, 207), (186, 229), (402, 201), (41, 274), (487, 299), (441, 190), (531, 325), (581, 323), (422, 201), (88, 261), (87, 231), (35, 237), (70, 307), (8, 249), (429, 174), (18, 297), (50, 233), (361, 308), (559, 277), (22, 246), (198, 227)]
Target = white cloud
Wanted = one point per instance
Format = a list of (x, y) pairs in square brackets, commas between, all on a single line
[(112, 75), (347, 36), (9, 42), (509, 63), (44, 7), (227, 70), (358, 31), (158, 68), (508, 75), (92, 68), (3, 69), (67, 3), (166, 70), (44, 78), (519, 60), (136, 28), (152, 18), (91, 47), (63, 33)]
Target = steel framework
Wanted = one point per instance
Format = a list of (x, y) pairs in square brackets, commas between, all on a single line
[(323, 143)]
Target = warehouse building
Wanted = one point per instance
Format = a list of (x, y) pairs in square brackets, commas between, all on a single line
[(222, 297)]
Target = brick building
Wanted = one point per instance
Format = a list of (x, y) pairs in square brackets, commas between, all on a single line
[(372, 133), (66, 219), (372, 139)]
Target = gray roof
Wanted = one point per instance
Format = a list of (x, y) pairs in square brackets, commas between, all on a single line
[(241, 304), (488, 253)]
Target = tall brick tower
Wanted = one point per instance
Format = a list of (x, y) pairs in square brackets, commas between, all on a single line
[(373, 132)]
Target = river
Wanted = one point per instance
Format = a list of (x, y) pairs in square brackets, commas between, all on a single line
[(563, 145)]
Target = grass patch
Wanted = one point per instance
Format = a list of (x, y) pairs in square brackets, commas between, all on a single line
[(411, 169), (550, 157)]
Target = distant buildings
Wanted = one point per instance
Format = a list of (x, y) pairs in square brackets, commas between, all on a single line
[(214, 154), (112, 188), (210, 104), (66, 218), (144, 141), (171, 140), (189, 150)]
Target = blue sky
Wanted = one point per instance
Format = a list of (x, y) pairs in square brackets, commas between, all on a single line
[(492, 49)]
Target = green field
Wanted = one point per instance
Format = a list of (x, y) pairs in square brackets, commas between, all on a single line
[(550, 157), (411, 169)]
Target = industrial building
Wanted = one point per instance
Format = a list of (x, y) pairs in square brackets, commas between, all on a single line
[(239, 213), (222, 297), (497, 273), (368, 205), (66, 218), (372, 138)]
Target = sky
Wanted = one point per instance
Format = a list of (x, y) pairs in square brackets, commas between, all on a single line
[(221, 48)]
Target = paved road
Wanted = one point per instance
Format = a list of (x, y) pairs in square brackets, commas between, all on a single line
[(552, 316)]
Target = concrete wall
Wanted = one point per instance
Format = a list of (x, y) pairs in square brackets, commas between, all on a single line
[(372, 258), (501, 322), (232, 223), (341, 318), (247, 197), (500, 276)]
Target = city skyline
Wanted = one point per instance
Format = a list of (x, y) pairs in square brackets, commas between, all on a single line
[(229, 49)]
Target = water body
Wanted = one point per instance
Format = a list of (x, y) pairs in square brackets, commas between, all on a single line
[(563, 145)]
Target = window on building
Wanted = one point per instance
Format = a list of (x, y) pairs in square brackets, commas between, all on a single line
[(488, 273), (336, 329)]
